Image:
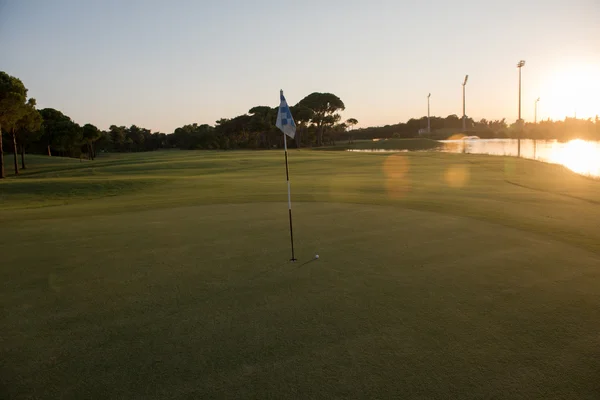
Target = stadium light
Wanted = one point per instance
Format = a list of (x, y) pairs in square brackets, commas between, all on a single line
[(428, 118), (520, 65), (464, 104)]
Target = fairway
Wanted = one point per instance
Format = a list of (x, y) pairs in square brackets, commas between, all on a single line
[(165, 275)]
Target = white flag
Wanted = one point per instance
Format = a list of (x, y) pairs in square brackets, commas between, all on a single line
[(285, 122)]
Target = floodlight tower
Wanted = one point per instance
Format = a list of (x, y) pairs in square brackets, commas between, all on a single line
[(464, 104), (520, 65), (428, 118)]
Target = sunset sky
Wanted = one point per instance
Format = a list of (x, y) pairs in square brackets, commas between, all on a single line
[(161, 65)]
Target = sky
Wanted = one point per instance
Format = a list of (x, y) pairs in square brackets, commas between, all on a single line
[(164, 64)]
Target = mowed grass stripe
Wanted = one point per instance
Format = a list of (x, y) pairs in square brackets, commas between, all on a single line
[(165, 275), (541, 198), (200, 301)]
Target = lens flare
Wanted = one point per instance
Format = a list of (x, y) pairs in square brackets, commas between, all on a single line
[(457, 176), (397, 181)]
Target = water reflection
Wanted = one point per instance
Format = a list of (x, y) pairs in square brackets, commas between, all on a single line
[(378, 151), (578, 155)]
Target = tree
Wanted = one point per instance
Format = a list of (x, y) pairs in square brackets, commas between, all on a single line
[(302, 116), (334, 129), (12, 98), (21, 111), (234, 132), (324, 107), (103, 144), (193, 136), (28, 128), (262, 125), (117, 136), (453, 122), (54, 124), (71, 140), (60, 133), (136, 137), (155, 141), (351, 122), (90, 134)]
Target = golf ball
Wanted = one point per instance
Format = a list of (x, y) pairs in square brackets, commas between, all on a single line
[(316, 256)]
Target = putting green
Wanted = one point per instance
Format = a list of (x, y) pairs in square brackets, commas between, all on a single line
[(165, 275), (200, 302)]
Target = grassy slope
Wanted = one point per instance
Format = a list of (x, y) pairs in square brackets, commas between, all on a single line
[(387, 144), (191, 295)]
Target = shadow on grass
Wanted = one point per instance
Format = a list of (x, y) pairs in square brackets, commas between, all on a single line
[(73, 188)]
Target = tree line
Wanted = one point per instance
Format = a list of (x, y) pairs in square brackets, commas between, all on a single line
[(443, 128), (25, 129)]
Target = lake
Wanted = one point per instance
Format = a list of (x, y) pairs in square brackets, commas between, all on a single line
[(581, 156), (578, 155)]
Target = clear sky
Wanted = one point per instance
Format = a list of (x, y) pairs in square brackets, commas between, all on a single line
[(163, 64)]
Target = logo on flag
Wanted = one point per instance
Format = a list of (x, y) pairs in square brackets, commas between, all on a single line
[(285, 122)]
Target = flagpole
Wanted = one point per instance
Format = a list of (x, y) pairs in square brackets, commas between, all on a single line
[(287, 176)]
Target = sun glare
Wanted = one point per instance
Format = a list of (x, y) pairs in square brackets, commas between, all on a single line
[(579, 156), (572, 92)]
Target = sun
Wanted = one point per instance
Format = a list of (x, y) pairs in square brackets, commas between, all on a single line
[(579, 156), (571, 92)]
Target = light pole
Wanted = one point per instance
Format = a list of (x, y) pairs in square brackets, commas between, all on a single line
[(535, 122), (520, 65), (428, 120), (464, 104)]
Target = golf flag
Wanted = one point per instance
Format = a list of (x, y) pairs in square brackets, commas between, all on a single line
[(285, 122)]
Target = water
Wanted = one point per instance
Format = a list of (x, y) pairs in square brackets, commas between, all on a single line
[(578, 155), (377, 151), (581, 156)]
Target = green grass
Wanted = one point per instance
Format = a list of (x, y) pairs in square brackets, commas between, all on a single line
[(165, 275), (419, 144)]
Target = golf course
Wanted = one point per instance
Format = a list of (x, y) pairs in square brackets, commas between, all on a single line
[(166, 274)]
